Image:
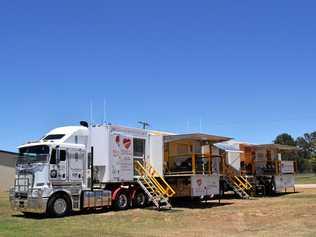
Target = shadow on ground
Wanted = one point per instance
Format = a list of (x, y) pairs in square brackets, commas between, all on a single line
[(176, 204)]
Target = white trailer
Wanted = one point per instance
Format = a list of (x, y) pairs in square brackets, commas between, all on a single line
[(256, 169)]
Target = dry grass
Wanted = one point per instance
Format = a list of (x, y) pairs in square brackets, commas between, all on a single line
[(286, 215), (305, 179)]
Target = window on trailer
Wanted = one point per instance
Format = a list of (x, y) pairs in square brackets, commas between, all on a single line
[(139, 147), (138, 151)]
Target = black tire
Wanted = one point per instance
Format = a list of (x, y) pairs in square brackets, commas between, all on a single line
[(58, 206), (121, 201), (140, 200)]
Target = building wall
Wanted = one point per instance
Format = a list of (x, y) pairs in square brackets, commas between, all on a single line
[(7, 170)]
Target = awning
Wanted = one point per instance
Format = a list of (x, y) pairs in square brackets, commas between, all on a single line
[(276, 147), (196, 137), (228, 147)]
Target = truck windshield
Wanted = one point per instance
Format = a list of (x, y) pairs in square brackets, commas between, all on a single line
[(33, 154)]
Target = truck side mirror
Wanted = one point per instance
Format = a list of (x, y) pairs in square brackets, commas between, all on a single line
[(57, 156), (89, 160), (53, 158)]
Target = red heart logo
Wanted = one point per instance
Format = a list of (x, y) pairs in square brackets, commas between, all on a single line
[(127, 143)]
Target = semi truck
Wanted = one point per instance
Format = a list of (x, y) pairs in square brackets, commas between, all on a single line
[(100, 166)]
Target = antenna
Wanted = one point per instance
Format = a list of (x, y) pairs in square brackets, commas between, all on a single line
[(91, 112), (104, 112), (200, 125), (144, 124)]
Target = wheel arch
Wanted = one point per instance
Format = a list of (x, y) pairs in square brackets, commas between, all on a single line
[(61, 192), (118, 190)]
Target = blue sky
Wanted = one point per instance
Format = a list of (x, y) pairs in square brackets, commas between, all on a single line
[(244, 69)]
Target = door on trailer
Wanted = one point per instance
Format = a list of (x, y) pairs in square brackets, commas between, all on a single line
[(139, 151)]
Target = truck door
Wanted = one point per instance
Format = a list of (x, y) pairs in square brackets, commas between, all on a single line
[(76, 165), (58, 168)]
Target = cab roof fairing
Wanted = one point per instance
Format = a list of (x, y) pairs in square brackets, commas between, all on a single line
[(68, 131)]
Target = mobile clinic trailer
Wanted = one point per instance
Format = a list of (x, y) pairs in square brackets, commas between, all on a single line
[(189, 166), (272, 173), (256, 169), (82, 167)]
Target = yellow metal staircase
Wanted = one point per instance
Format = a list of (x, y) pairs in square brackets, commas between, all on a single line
[(238, 183), (154, 185)]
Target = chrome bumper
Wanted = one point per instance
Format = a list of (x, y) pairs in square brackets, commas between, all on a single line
[(30, 204)]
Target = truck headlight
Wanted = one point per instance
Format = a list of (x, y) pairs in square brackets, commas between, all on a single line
[(37, 193)]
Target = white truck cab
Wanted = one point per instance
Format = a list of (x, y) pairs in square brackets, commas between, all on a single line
[(56, 165)]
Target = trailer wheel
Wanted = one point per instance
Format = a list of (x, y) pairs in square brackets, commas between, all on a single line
[(58, 206), (140, 199), (121, 201)]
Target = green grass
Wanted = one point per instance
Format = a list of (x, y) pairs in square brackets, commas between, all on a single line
[(305, 179), (289, 215)]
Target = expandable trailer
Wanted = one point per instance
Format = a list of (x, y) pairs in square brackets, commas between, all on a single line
[(271, 173), (82, 167), (256, 169), (189, 166)]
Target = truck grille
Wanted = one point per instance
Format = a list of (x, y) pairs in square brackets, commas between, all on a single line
[(23, 183)]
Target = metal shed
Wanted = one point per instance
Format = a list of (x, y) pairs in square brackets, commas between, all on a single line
[(7, 169)]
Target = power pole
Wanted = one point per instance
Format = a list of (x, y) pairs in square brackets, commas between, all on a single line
[(144, 124)]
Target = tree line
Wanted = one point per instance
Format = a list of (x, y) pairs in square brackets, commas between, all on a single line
[(306, 153)]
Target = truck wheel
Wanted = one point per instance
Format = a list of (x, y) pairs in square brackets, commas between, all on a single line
[(140, 199), (121, 201), (58, 206)]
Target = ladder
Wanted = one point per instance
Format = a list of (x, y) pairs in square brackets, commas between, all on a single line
[(154, 185), (240, 185)]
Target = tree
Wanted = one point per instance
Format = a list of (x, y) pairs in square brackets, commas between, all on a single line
[(306, 155), (307, 145), (285, 139)]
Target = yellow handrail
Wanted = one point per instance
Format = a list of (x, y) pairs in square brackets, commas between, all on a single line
[(240, 182), (161, 190), (249, 186), (155, 173), (167, 191)]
